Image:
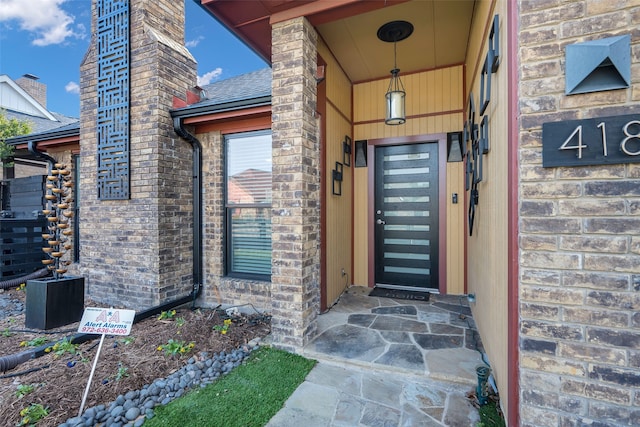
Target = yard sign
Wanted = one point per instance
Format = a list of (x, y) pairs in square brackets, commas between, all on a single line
[(104, 321)]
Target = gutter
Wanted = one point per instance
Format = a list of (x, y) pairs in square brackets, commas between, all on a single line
[(203, 108)]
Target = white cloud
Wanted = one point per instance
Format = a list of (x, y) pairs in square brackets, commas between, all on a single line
[(206, 78), (194, 42), (45, 18), (72, 87)]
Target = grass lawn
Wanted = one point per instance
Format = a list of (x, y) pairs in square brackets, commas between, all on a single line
[(249, 396), (490, 416)]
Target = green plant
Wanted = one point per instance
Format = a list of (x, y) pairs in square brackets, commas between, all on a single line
[(128, 340), (180, 322), (24, 389), (22, 287), (34, 342), (224, 327), (32, 414), (167, 315), (7, 332), (62, 347), (122, 372), (173, 347)]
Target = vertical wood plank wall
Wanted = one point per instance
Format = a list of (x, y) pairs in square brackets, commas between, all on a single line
[(435, 103), (338, 209), (488, 247)]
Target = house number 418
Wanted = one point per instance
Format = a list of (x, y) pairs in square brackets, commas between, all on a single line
[(631, 131)]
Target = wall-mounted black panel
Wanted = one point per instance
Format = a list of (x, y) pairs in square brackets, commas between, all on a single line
[(596, 141)]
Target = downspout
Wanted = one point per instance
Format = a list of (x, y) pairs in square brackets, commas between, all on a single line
[(197, 204), (33, 149)]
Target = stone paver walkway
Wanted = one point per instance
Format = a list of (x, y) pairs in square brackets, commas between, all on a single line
[(388, 362)]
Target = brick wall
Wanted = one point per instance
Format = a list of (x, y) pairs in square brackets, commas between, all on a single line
[(138, 252), (295, 219), (579, 228)]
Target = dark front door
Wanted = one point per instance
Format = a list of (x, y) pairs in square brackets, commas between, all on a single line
[(406, 216)]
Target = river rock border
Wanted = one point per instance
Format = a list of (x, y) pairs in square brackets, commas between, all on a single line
[(134, 407)]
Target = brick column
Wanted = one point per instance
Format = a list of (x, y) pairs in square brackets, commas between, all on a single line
[(296, 192)]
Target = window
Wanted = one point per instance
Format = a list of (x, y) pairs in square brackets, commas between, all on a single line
[(248, 205)]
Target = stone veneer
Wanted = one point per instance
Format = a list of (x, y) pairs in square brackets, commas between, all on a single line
[(138, 252), (579, 233), (295, 279)]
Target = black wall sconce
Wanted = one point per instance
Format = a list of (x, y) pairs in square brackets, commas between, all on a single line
[(454, 147), (346, 151), (336, 184), (361, 154)]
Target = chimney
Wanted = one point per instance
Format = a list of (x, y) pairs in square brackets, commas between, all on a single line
[(33, 87)]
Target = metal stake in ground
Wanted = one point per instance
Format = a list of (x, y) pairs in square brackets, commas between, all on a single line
[(93, 369), (104, 321)]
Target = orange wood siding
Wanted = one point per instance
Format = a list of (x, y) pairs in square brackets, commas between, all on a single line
[(338, 209), (488, 247)]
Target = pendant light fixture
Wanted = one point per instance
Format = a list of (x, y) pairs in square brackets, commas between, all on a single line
[(395, 31)]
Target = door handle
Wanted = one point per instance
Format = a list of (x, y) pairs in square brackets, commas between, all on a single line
[(380, 221)]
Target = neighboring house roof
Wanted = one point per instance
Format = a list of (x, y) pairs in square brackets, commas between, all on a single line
[(15, 98), (40, 124)]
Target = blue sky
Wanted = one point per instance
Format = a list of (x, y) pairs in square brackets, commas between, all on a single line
[(48, 38)]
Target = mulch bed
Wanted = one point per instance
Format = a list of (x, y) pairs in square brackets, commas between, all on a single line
[(125, 363)]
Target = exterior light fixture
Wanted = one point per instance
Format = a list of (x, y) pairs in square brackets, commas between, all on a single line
[(395, 31)]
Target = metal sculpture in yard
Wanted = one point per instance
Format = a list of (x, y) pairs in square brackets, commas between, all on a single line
[(58, 213)]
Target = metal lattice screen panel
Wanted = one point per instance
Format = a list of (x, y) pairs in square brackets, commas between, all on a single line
[(113, 99)]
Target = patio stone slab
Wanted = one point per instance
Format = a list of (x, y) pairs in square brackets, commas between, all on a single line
[(353, 302), (434, 317), (364, 320), (405, 356), (390, 323), (441, 329), (411, 417), (348, 412), (459, 412), (472, 340), (456, 308), (400, 309), (456, 365), (382, 389), (423, 396), (294, 417), (345, 380), (461, 320), (379, 416), (434, 342), (350, 342), (396, 337)]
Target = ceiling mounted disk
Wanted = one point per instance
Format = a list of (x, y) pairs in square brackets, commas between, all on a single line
[(395, 31)]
